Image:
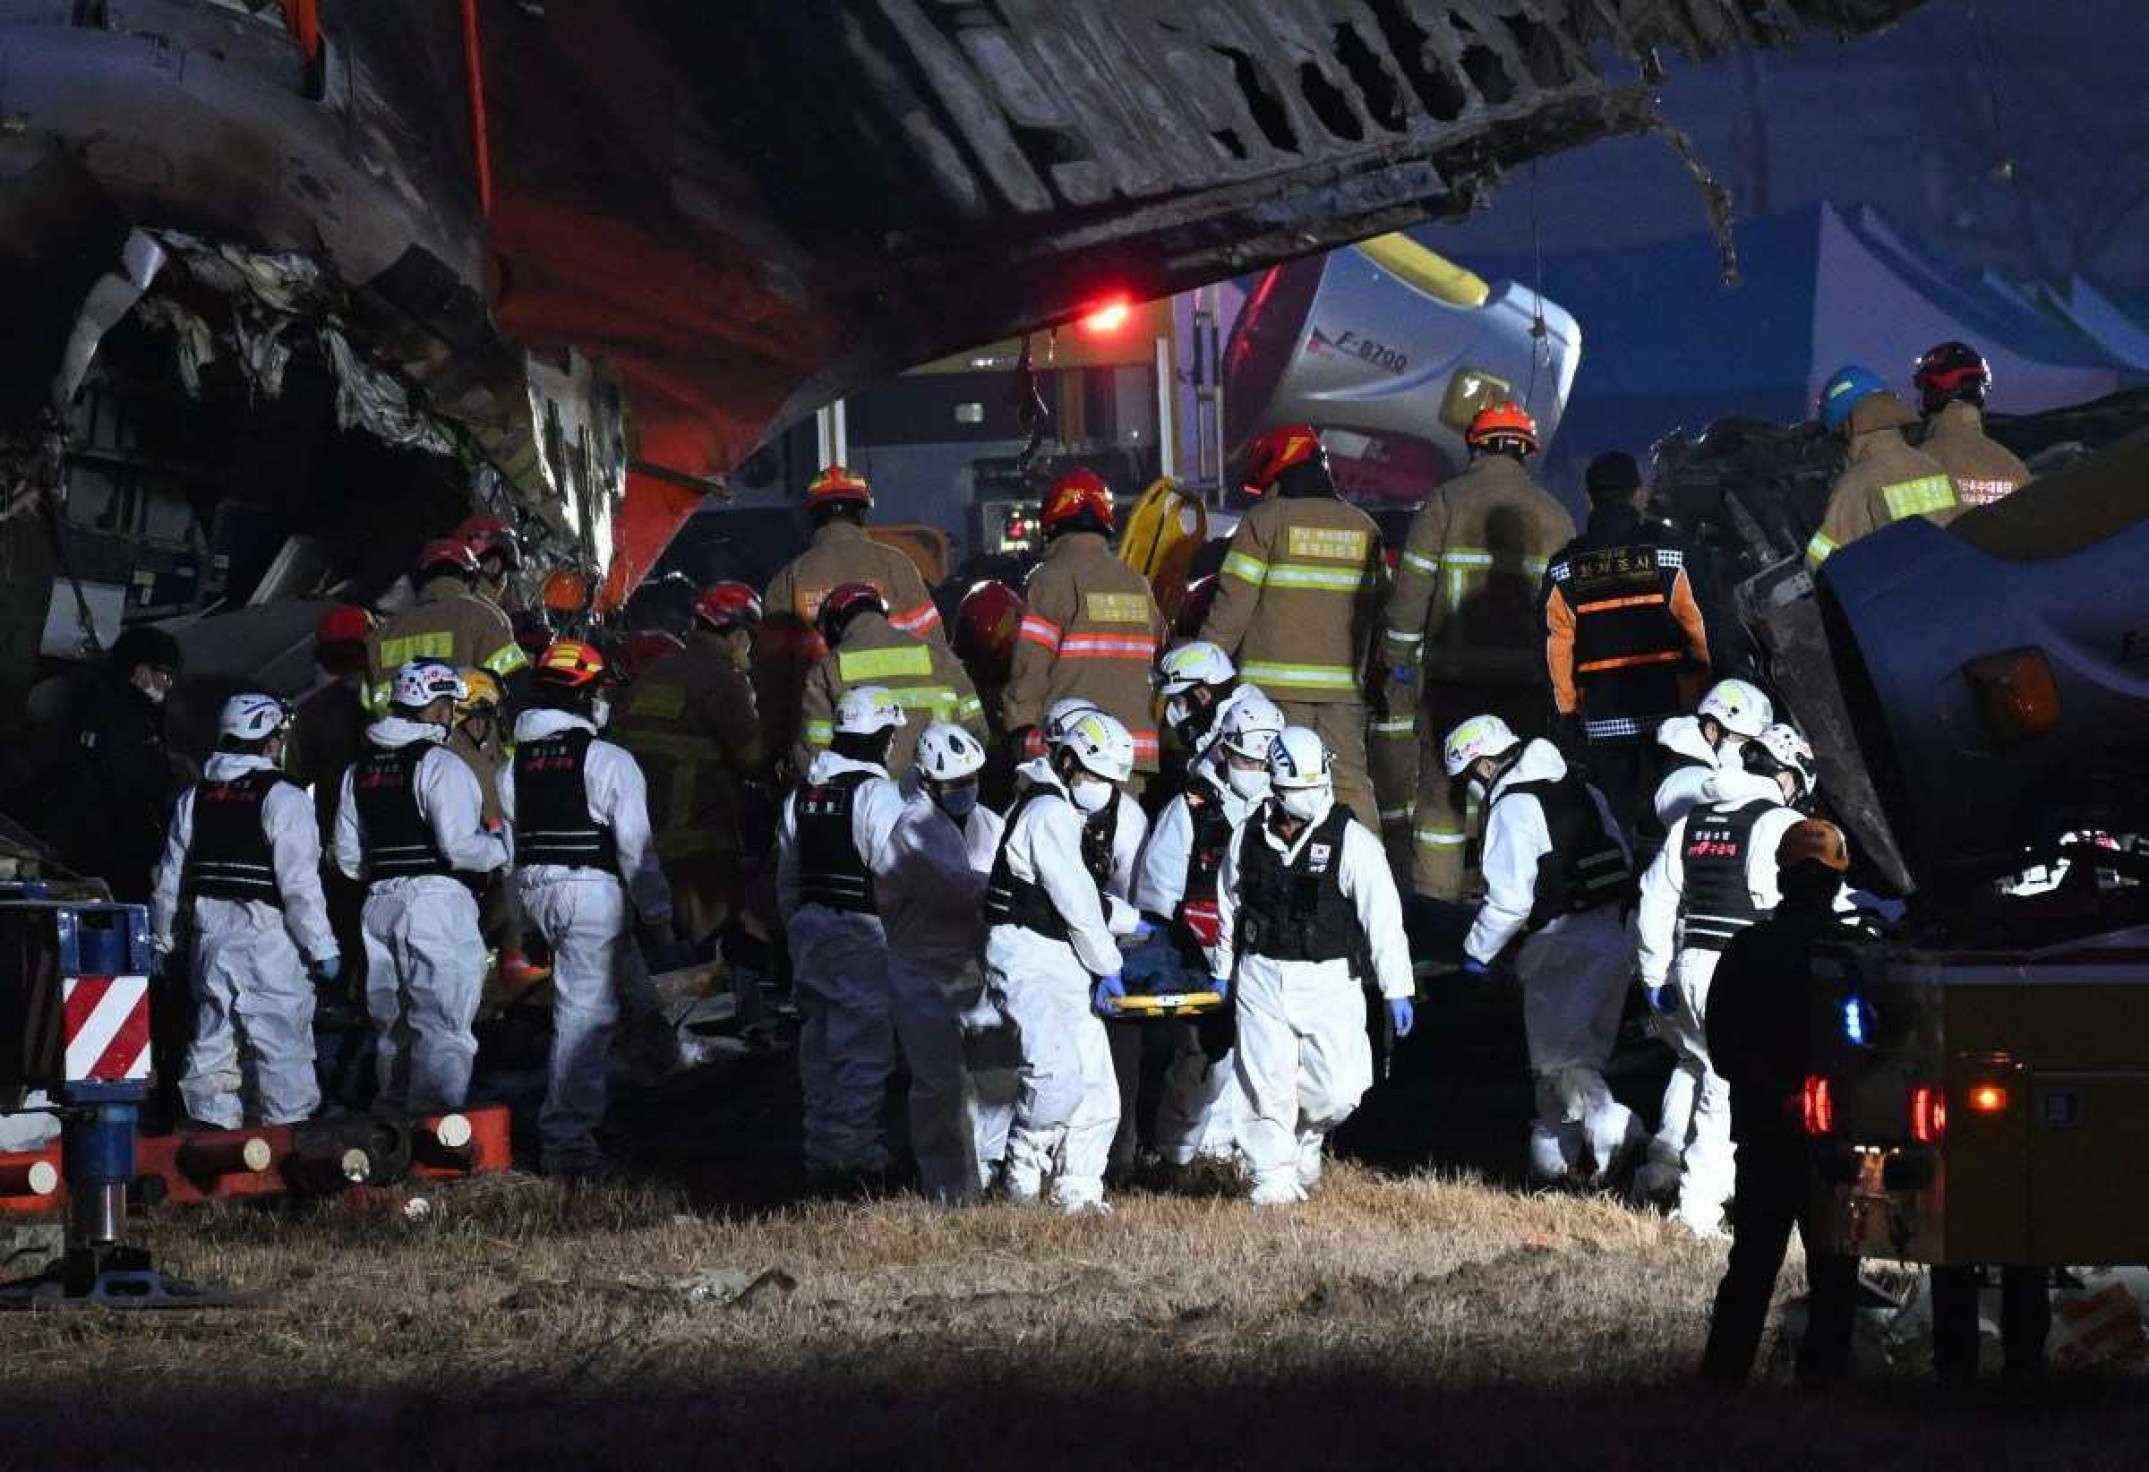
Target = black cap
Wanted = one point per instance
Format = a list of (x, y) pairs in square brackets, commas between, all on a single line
[(145, 645), (1612, 476)]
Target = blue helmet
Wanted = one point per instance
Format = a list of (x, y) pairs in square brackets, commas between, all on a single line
[(1845, 390)]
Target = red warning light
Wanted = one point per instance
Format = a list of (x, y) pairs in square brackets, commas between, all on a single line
[(1108, 318)]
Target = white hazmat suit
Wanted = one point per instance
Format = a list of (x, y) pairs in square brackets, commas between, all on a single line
[(1692, 1145), (425, 957), (583, 914), (1203, 1106), (1685, 786), (839, 960), (1067, 1098), (1304, 1058), (253, 1045), (930, 903), (1573, 970)]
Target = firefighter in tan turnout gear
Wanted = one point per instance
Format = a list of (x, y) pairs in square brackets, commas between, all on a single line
[(1952, 381), (1886, 479), (865, 648), (837, 503), (1091, 627), (691, 724), (1463, 633), (449, 622), (1297, 601)]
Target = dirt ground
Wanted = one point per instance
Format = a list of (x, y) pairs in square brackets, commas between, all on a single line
[(1400, 1320)]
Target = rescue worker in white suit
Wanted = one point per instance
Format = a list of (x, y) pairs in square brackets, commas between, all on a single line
[(588, 876), (1200, 688), (1305, 904), (242, 858), (410, 824), (1175, 889), (940, 854), (1715, 877), (1051, 962), (1709, 741), (1558, 875), (833, 850)]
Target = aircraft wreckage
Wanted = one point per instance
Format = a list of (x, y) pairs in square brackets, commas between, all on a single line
[(580, 256)]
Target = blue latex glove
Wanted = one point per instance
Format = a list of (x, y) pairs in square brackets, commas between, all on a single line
[(1403, 674), (1472, 966), (1401, 1015), (1141, 933), (1221, 985), (325, 971), (1108, 990)]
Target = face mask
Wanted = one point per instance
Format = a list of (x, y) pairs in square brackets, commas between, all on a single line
[(1300, 802), (600, 712), (1253, 786), (156, 686), (1089, 794), (956, 802)]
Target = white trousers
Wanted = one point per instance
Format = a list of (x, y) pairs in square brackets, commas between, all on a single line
[(839, 962), (1303, 1060), (425, 968), (1066, 1092), (253, 1020), (595, 965), (1574, 976), (1692, 1144), (925, 987)]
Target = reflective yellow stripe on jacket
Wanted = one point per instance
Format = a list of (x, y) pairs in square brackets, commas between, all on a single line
[(1920, 497), (1299, 676), (864, 666)]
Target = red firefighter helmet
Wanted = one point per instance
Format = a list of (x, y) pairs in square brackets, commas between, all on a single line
[(573, 663), (985, 627), (1194, 607), (1953, 370), (1078, 494), (1277, 451), (838, 485), (489, 536), (722, 605), (339, 638), (447, 554), (845, 602), (1506, 420)]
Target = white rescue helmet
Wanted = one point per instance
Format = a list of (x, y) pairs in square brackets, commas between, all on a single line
[(867, 710), (1779, 748), (1063, 711), (948, 753), (1197, 662), (423, 681), (1299, 758), (1739, 707), (1476, 737), (1251, 725), (1100, 745), (253, 717)]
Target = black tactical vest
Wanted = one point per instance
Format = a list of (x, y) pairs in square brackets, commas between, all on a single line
[(552, 817), (1585, 866), (1296, 911), (1024, 902), (1212, 834), (1715, 903), (229, 857), (831, 871), (394, 837)]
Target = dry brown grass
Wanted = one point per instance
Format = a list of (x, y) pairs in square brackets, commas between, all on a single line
[(1397, 1321)]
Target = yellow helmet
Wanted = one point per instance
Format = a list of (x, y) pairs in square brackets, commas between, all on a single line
[(484, 691)]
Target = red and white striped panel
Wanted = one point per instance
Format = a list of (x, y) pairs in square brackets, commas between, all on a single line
[(106, 1023)]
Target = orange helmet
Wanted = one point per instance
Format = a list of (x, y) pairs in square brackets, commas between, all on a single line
[(489, 536), (845, 602), (570, 663), (1279, 450), (1076, 493), (838, 485), (723, 605), (1506, 420), (448, 554), (986, 624)]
